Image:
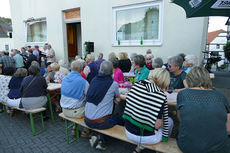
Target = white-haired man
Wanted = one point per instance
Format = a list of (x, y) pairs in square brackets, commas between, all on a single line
[(91, 70)]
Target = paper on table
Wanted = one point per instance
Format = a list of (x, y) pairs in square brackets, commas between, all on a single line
[(171, 97), (129, 74), (54, 86)]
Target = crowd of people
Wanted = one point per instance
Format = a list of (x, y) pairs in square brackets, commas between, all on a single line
[(90, 89)]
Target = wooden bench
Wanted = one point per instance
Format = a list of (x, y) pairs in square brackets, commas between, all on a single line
[(119, 133), (32, 112)]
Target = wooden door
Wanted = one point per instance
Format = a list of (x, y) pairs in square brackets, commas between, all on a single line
[(72, 39)]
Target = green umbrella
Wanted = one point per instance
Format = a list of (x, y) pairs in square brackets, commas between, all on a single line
[(199, 8)]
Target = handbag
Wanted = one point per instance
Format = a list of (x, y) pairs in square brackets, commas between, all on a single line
[(20, 104)]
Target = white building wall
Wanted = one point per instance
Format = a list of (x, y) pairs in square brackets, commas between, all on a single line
[(6, 41), (179, 34)]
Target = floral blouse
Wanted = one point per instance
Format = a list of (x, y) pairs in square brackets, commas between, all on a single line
[(4, 89), (58, 76)]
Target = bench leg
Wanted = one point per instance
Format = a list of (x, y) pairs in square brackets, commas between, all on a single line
[(4, 108), (50, 107), (32, 124), (67, 127)]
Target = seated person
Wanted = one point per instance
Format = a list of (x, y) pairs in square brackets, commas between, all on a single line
[(58, 76), (189, 62), (204, 116), (33, 89), (91, 70), (14, 96), (146, 104), (49, 75), (4, 82), (157, 63), (124, 62), (63, 69), (84, 64), (141, 72), (41, 68), (100, 103), (148, 59), (117, 73), (177, 75), (73, 92), (132, 70)]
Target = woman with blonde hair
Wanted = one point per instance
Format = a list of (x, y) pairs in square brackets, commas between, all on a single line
[(204, 116), (58, 76), (124, 62), (145, 109), (112, 55)]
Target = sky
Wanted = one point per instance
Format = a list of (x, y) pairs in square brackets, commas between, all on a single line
[(215, 23), (5, 8)]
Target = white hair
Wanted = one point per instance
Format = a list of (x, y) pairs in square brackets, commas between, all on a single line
[(149, 56), (91, 57), (77, 57), (82, 62), (191, 59), (61, 63)]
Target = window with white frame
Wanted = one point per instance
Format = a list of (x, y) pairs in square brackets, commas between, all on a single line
[(36, 31), (139, 24)]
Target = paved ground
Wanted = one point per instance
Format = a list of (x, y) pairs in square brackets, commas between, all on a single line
[(16, 135)]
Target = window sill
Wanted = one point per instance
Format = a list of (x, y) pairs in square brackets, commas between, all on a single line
[(137, 44)]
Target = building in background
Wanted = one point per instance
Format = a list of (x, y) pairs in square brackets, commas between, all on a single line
[(228, 29), (113, 26), (215, 43), (6, 41)]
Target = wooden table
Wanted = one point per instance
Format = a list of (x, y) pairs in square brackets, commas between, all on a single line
[(170, 97), (52, 87)]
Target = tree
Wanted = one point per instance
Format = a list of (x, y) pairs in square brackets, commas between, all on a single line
[(5, 20), (227, 51)]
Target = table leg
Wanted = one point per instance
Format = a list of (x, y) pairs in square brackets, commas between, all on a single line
[(50, 107)]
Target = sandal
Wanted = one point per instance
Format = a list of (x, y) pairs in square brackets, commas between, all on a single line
[(86, 133), (137, 150)]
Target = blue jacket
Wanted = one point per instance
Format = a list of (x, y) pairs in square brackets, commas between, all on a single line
[(73, 85)]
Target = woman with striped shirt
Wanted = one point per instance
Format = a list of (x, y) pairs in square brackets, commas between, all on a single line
[(145, 107)]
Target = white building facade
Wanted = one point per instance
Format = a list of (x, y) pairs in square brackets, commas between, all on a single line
[(113, 25), (6, 44)]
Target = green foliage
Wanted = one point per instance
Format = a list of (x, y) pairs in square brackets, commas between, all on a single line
[(132, 80), (227, 51), (5, 20), (86, 49)]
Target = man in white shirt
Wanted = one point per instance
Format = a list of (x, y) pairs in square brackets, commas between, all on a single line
[(50, 54)]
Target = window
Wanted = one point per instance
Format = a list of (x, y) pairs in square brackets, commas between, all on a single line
[(7, 47), (217, 46), (36, 31), (138, 25)]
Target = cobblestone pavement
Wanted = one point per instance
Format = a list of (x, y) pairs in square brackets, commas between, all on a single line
[(16, 137)]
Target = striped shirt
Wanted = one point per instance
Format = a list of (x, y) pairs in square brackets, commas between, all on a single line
[(143, 105)]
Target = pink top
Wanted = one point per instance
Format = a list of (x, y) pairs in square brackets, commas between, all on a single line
[(118, 76)]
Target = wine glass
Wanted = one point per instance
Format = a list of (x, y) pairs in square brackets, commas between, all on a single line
[(170, 90)]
